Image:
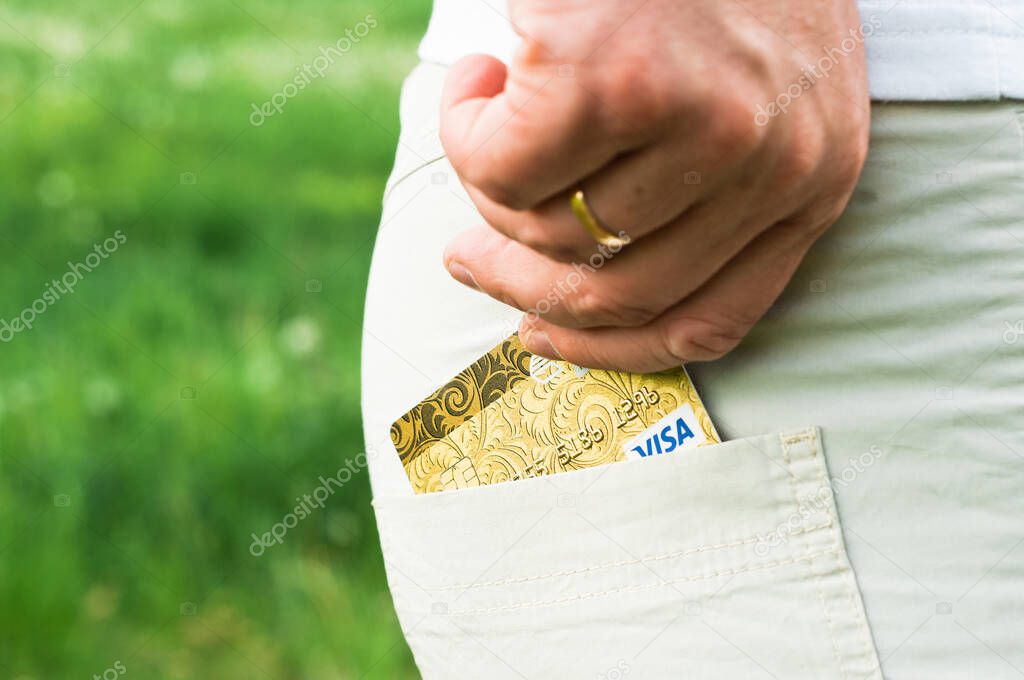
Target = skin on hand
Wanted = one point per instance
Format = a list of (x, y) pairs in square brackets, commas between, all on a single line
[(722, 137)]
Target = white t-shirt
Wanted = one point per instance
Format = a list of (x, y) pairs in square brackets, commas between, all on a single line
[(934, 50)]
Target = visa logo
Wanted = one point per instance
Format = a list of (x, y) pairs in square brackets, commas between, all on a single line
[(677, 430)]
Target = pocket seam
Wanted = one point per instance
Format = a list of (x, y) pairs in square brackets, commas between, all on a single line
[(622, 563), (833, 608), (865, 633), (786, 442), (646, 586)]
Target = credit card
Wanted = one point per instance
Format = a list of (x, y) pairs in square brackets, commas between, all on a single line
[(565, 418), (481, 383)]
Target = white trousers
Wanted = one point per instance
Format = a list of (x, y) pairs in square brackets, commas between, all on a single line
[(866, 516)]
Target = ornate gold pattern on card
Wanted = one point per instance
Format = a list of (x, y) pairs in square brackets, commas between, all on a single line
[(461, 398), (568, 419)]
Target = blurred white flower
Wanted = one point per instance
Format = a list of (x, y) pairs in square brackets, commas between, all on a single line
[(61, 38), (190, 70), (102, 395), (301, 336), (101, 602), (21, 394)]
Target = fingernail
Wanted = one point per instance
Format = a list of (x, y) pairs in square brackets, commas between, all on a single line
[(540, 343), (462, 275)]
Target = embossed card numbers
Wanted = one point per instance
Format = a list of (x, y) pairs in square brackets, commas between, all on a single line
[(513, 415)]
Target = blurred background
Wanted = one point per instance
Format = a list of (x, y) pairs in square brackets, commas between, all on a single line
[(197, 369)]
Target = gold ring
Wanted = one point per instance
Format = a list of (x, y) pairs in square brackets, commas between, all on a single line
[(582, 211)]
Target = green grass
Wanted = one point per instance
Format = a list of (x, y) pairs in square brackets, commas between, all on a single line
[(127, 508)]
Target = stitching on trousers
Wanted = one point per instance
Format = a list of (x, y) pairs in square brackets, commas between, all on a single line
[(789, 439), (621, 563), (786, 441), (870, 654), (849, 585), (630, 589), (422, 165)]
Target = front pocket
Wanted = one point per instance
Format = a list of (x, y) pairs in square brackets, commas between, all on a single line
[(725, 561)]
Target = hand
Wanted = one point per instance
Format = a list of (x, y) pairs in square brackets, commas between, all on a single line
[(723, 136)]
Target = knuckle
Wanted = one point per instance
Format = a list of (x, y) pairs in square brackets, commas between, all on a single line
[(482, 173), (566, 254), (528, 228), (633, 105), (597, 307), (500, 289), (831, 176), (470, 172), (732, 130), (826, 214), (451, 138), (698, 339), (575, 107), (851, 162), (534, 235), (499, 286), (494, 187), (802, 155)]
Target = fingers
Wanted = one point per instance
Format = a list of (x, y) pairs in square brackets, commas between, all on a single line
[(520, 136), (471, 83), (549, 229), (604, 288), (635, 194), (645, 190), (705, 326)]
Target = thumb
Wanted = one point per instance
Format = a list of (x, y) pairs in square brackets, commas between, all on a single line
[(474, 76), (470, 87)]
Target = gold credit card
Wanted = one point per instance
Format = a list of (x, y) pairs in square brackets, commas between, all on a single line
[(564, 418), (461, 398)]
